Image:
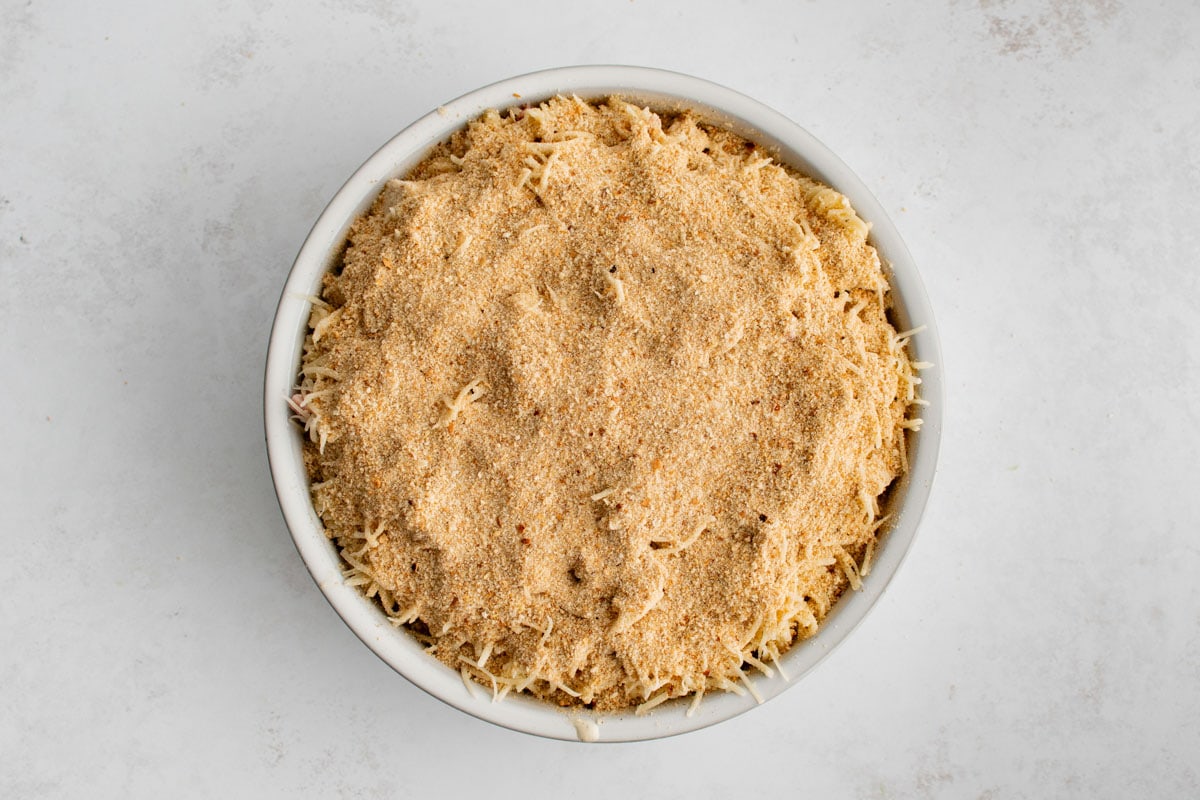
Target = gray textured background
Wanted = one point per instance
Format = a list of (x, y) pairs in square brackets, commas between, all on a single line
[(160, 164)]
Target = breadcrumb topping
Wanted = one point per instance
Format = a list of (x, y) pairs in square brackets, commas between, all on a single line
[(602, 404)]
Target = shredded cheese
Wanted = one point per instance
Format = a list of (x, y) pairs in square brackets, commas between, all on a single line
[(466, 395), (849, 568), (616, 288), (653, 702), (758, 698)]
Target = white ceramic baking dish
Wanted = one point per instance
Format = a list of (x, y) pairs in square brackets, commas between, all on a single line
[(660, 90)]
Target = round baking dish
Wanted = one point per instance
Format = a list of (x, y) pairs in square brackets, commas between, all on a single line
[(660, 90)]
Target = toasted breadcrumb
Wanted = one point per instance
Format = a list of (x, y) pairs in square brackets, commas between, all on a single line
[(612, 371)]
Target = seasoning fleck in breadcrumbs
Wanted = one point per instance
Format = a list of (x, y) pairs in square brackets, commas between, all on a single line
[(603, 402)]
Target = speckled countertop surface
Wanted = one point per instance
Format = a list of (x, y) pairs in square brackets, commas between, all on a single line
[(160, 164)]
